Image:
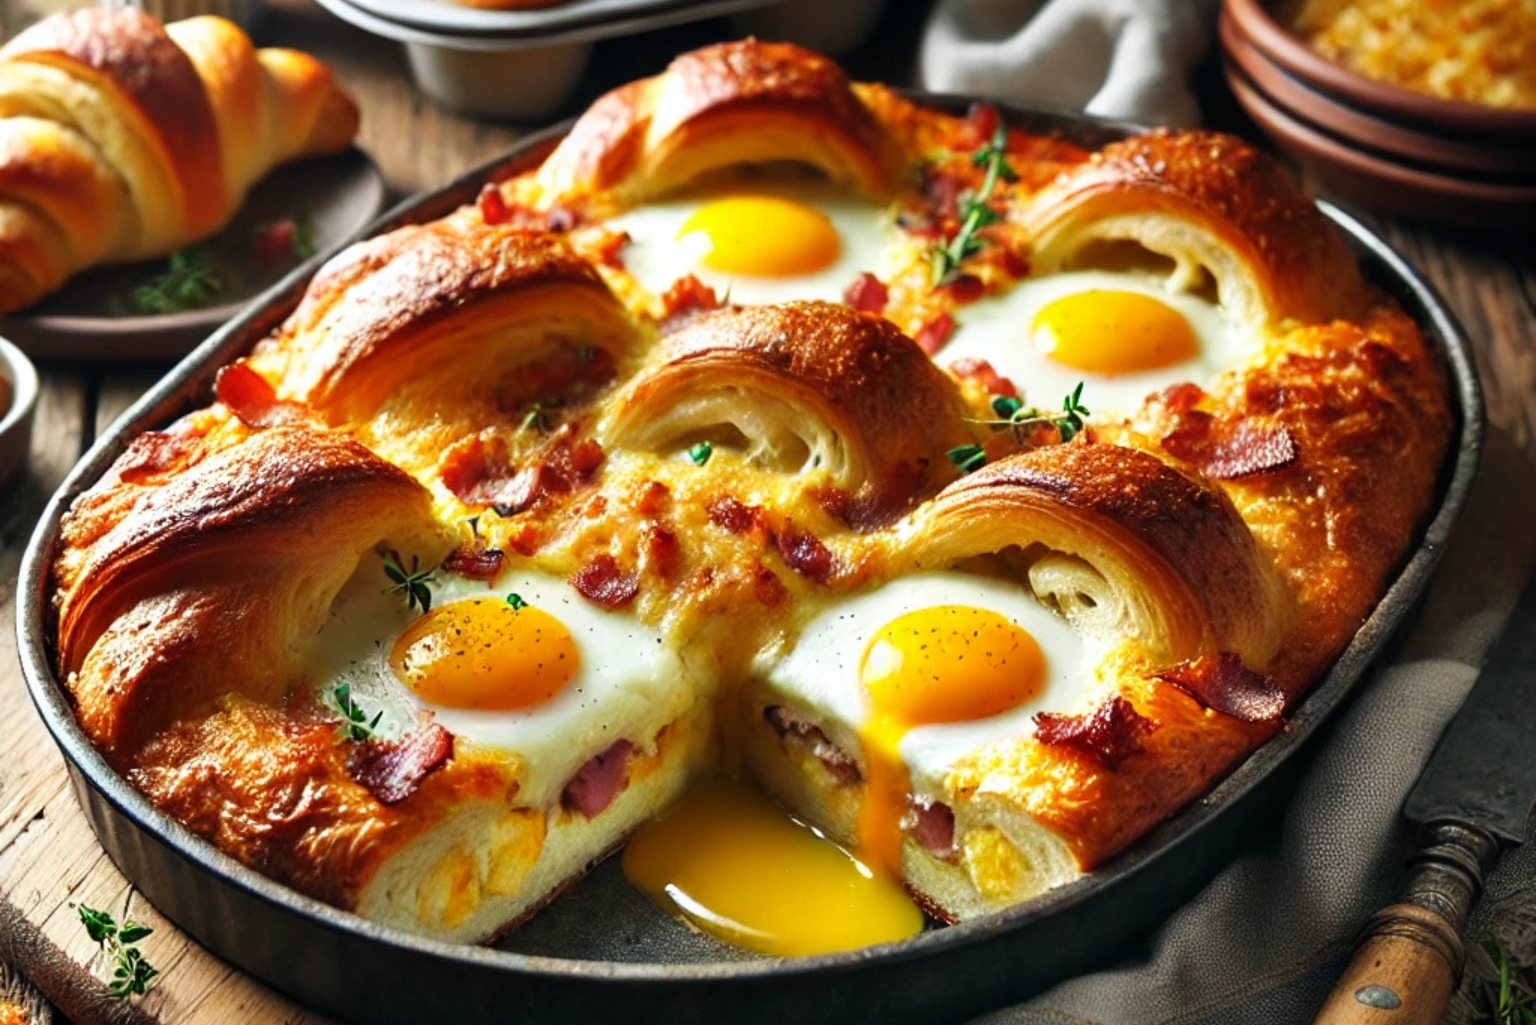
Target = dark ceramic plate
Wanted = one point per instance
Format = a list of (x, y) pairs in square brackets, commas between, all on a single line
[(99, 315), (600, 953)]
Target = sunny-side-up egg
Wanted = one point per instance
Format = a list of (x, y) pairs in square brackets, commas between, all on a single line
[(756, 239), (924, 670), (1124, 335), (546, 676)]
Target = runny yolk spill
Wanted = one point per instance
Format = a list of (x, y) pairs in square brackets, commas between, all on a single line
[(482, 653), (742, 870), (1109, 333), (947, 663), (764, 236)]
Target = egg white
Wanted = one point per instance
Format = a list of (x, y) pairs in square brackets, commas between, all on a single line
[(627, 677), (821, 673), (999, 330), (656, 257)]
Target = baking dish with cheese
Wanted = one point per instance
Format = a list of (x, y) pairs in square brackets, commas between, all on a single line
[(494, 372)]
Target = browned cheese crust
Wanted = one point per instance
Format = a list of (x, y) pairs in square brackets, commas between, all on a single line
[(1229, 542)]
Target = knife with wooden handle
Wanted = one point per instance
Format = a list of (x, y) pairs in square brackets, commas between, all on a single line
[(1474, 795)]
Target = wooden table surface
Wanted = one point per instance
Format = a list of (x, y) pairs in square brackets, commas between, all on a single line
[(49, 861)]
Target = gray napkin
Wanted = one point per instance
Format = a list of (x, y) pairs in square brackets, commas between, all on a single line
[(1125, 59), (1266, 939)]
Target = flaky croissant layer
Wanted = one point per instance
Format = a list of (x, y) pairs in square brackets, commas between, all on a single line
[(121, 139)]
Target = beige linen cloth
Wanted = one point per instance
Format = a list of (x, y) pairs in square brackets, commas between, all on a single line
[(1264, 942)]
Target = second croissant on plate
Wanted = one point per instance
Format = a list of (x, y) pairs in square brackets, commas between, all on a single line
[(122, 139)]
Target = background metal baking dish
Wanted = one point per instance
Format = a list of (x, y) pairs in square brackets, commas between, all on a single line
[(618, 957)]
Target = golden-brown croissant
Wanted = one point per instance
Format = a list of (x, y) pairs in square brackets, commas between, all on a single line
[(121, 139)]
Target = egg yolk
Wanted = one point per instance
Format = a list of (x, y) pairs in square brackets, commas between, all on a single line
[(764, 236), (745, 872), (483, 653), (1109, 333), (948, 663)]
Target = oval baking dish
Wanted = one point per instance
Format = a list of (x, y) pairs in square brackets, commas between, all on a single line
[(347, 966)]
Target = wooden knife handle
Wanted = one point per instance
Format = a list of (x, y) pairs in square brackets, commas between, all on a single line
[(1409, 956)]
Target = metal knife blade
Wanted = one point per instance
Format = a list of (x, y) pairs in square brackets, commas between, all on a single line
[(1483, 772)]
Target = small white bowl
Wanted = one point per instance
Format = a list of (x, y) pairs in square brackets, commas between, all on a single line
[(517, 82), (16, 420)]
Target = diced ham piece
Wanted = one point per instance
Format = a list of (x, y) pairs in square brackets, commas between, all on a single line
[(792, 728), (932, 825), (602, 582), (932, 335), (805, 554), (392, 770), (599, 781), (867, 293)]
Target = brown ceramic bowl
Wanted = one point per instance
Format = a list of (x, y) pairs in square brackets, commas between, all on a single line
[(1253, 21), (1454, 154), (1383, 184)]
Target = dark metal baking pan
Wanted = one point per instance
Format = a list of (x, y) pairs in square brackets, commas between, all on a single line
[(616, 962)]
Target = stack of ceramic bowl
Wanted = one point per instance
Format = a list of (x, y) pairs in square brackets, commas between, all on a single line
[(1384, 147), (524, 64)]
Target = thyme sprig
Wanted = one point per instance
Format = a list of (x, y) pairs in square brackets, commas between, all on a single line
[(356, 723), (189, 282), (975, 214), (1024, 421), (415, 584), (132, 975)]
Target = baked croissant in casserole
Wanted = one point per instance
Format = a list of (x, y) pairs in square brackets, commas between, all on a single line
[(983, 548), (121, 139)]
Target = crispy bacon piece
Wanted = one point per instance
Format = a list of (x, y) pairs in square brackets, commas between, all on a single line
[(867, 293), (793, 729), (392, 770), (983, 119), (276, 241), (651, 500), (602, 582), (685, 301), (1228, 451), (768, 587), (1223, 684), (932, 335), (599, 781), (805, 553), (478, 472), (252, 399), (986, 375), (1014, 260), (1109, 734), (474, 562), (606, 250), (493, 207), (735, 516), (932, 825), (966, 288), (662, 550)]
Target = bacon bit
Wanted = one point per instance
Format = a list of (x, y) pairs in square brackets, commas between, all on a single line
[(932, 335), (805, 554), (1180, 398), (735, 516), (252, 399), (562, 219), (523, 538), (603, 583), (941, 194), (652, 499), (833, 500), (685, 302), (966, 288), (984, 119), (932, 825), (986, 375), (1109, 734), (1223, 684), (768, 587), (525, 487), (793, 729), (919, 226), (662, 549), (493, 206), (595, 507), (276, 241), (599, 781), (867, 293), (1015, 261), (392, 770), (477, 472), (474, 562), (1228, 451), (606, 250)]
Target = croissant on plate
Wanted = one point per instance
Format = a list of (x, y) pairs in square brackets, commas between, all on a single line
[(121, 139)]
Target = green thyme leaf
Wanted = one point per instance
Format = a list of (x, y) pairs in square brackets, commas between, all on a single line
[(968, 458), (700, 453), (415, 584), (189, 282), (974, 212), (355, 722), (516, 601), (132, 974)]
